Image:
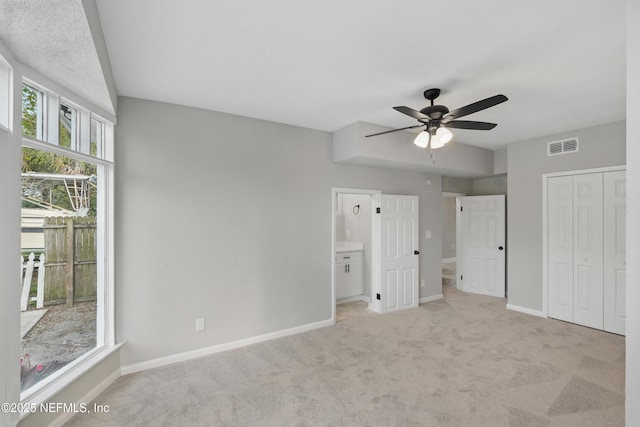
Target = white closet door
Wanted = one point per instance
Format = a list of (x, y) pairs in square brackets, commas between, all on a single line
[(560, 247), (588, 250), (615, 269)]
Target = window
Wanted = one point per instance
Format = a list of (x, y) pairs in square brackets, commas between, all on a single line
[(67, 127), (97, 138), (66, 297), (59, 246), (32, 117), (5, 76)]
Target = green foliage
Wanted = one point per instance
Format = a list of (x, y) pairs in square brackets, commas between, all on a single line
[(29, 111)]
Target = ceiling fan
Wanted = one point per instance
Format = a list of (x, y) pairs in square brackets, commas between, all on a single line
[(437, 118)]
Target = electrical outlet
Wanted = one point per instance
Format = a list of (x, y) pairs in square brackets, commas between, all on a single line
[(427, 234), (200, 324)]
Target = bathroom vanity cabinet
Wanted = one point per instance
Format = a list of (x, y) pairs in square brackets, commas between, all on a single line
[(349, 274)]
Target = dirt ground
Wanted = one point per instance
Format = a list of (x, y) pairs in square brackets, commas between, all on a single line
[(61, 336)]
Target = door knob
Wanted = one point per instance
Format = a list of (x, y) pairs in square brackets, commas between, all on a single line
[(416, 252), (500, 248)]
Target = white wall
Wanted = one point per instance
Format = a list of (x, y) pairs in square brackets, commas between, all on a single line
[(633, 213), (600, 146), (229, 218)]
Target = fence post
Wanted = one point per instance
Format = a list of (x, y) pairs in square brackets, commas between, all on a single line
[(26, 284), (41, 273), (70, 260)]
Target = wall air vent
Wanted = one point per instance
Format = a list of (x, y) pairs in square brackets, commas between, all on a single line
[(562, 147)]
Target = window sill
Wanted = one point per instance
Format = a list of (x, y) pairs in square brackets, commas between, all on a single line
[(48, 388)]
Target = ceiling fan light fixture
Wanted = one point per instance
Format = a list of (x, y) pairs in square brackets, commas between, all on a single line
[(444, 134), (422, 140)]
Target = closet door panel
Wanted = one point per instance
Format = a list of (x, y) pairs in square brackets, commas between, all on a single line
[(560, 247), (615, 269), (588, 250)]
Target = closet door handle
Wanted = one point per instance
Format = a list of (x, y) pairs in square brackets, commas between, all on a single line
[(500, 248), (348, 268), (345, 268)]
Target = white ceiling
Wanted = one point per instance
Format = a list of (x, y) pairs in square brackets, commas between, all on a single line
[(324, 65)]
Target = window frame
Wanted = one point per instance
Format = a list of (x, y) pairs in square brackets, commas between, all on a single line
[(105, 312)]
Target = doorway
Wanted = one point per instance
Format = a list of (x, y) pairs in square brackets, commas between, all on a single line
[(355, 250), (449, 233)]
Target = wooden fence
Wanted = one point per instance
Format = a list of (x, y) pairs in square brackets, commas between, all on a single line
[(70, 249)]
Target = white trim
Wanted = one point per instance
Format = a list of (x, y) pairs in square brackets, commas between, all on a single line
[(194, 354), (90, 396), (526, 310), (431, 298), (449, 194), (344, 300), (545, 177), (445, 260)]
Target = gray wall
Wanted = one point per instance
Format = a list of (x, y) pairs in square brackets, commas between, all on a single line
[(600, 146), (489, 186), (448, 227), (229, 218)]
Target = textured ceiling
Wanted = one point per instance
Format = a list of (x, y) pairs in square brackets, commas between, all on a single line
[(53, 37), (324, 65)]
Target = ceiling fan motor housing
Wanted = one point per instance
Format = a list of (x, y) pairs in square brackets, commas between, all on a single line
[(435, 112)]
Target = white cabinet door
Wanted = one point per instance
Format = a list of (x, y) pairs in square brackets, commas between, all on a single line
[(588, 250), (482, 244), (560, 247), (615, 265), (399, 246), (349, 275)]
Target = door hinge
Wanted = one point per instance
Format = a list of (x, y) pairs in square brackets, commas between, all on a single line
[(377, 296), (461, 277), (460, 208), (377, 210)]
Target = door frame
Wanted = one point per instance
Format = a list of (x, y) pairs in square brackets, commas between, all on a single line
[(374, 268), (545, 225)]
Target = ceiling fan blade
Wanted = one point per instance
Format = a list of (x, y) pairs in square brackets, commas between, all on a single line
[(475, 107), (467, 124), (393, 130), (412, 113)]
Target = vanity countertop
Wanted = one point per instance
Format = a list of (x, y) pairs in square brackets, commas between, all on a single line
[(344, 246)]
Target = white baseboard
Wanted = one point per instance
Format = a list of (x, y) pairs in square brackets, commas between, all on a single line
[(92, 394), (431, 298), (354, 298), (526, 310), (188, 355), (448, 260)]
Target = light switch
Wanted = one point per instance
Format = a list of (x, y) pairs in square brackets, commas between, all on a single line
[(427, 234)]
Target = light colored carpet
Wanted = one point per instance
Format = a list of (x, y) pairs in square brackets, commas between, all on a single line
[(461, 361), (353, 309)]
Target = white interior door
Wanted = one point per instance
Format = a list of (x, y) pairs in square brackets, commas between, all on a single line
[(587, 250), (615, 262), (560, 247), (481, 248), (399, 244)]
